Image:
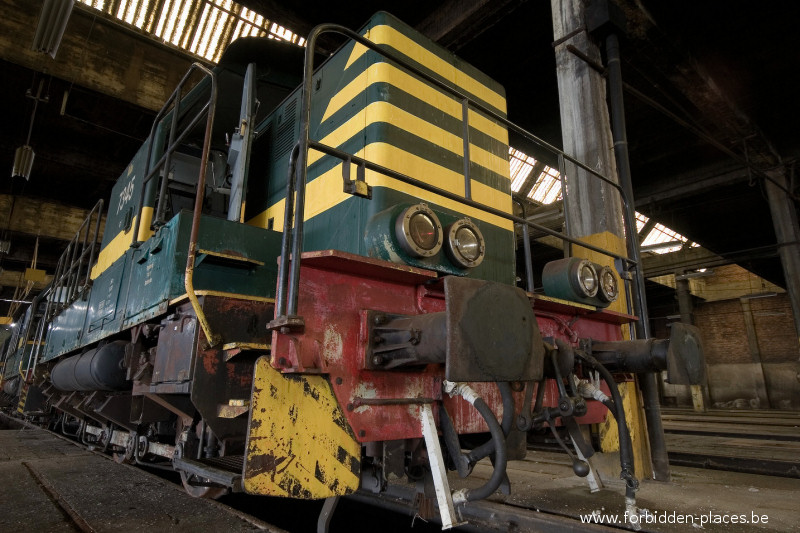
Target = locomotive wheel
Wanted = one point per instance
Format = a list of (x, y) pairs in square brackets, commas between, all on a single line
[(193, 485), (126, 456), (210, 493)]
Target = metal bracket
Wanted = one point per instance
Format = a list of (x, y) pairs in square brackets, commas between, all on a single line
[(286, 323), (443, 496), (357, 187)]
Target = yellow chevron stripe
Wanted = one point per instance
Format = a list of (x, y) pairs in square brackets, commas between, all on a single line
[(385, 72), (325, 191), (384, 34), (385, 112), (117, 246)]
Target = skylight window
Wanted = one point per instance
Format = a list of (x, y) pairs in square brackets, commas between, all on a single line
[(201, 27), (547, 189), (521, 166)]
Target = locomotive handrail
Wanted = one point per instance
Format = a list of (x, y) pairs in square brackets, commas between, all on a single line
[(188, 281), (208, 110), (172, 144), (288, 275), (69, 282), (68, 274)]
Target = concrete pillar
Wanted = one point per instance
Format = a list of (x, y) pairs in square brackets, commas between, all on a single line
[(784, 218), (762, 389), (685, 307), (593, 208)]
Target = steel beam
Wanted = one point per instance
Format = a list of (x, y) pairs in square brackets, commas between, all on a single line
[(784, 218)]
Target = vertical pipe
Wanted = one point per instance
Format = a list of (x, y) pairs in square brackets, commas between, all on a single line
[(526, 246), (286, 238), (526, 243), (647, 382), (562, 174), (684, 300)]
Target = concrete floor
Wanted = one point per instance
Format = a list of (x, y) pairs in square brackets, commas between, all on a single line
[(544, 481), (50, 484)]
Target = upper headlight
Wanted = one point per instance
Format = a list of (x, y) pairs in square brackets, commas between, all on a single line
[(419, 231), (465, 244), (609, 290)]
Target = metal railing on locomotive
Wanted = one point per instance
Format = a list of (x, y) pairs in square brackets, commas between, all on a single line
[(72, 280), (175, 139), (292, 243)]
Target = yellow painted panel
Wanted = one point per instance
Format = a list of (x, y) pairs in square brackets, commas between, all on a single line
[(299, 443), (385, 112), (385, 72), (35, 275), (325, 191), (119, 244), (384, 34)]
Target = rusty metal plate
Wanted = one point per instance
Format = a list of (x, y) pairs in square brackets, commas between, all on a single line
[(299, 443), (492, 334)]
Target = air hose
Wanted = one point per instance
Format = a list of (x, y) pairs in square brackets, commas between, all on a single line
[(498, 442), (488, 447), (617, 409)]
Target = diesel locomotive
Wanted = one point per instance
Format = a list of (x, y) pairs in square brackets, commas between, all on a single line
[(307, 286)]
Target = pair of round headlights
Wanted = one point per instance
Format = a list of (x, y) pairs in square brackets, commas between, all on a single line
[(420, 234), (592, 281)]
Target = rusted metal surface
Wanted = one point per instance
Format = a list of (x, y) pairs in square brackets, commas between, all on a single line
[(491, 333), (299, 443), (177, 342), (335, 292), (217, 381)]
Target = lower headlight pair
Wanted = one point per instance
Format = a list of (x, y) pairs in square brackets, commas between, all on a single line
[(420, 234), (579, 279)]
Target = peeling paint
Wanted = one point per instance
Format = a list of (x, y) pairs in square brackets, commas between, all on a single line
[(332, 346)]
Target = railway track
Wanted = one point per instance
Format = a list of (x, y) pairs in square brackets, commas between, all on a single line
[(57, 484), (756, 442)]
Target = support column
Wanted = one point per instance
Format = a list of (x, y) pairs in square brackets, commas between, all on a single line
[(762, 389), (784, 218), (593, 208), (685, 307)]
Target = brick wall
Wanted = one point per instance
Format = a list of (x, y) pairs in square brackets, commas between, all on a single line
[(777, 340), (725, 333)]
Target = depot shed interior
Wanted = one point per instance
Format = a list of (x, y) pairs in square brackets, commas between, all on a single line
[(710, 107)]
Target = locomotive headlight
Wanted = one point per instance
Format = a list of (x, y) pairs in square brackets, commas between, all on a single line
[(609, 290), (419, 231), (587, 281), (465, 244)]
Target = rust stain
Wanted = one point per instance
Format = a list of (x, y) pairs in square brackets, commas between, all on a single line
[(268, 463)]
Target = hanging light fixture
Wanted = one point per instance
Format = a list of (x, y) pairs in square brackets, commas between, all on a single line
[(52, 23), (23, 162), (23, 156)]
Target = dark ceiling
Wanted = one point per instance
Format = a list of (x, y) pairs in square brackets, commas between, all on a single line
[(723, 70)]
